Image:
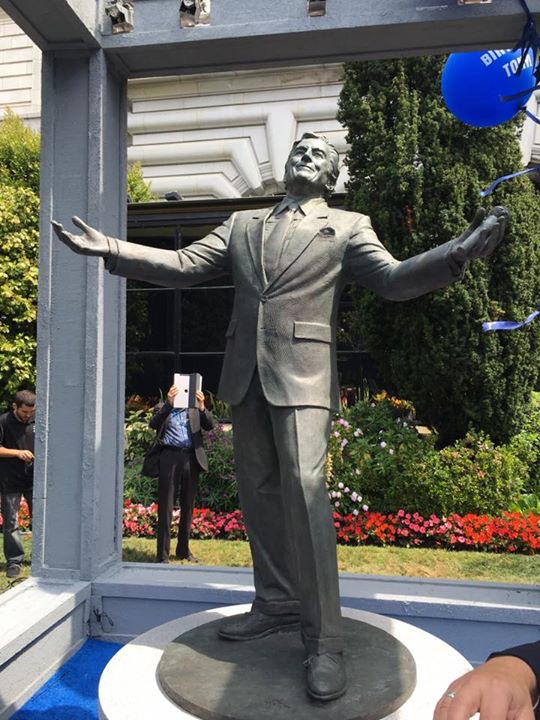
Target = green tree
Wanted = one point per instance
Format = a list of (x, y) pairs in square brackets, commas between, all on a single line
[(138, 189), (418, 172), (19, 213)]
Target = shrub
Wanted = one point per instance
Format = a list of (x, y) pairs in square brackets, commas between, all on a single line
[(473, 475), (217, 487), (372, 448), (377, 455), (138, 435), (138, 488)]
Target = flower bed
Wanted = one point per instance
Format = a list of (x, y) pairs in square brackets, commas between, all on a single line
[(511, 532)]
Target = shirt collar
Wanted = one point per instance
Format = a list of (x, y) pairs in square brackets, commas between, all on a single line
[(305, 205)]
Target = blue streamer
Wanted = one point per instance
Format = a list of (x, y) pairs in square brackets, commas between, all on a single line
[(522, 93), (498, 181), (529, 41), (529, 114), (509, 324)]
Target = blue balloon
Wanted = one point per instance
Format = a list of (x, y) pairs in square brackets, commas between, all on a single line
[(474, 83)]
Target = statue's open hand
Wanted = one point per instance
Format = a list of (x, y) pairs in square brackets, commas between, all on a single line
[(91, 242), (483, 235)]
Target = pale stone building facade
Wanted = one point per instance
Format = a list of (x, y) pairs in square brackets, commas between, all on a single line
[(223, 135)]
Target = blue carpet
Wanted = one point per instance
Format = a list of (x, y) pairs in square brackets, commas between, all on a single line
[(71, 693)]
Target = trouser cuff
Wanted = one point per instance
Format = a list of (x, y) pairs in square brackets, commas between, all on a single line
[(318, 646), (276, 607)]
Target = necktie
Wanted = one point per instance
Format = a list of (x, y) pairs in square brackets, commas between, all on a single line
[(274, 242)]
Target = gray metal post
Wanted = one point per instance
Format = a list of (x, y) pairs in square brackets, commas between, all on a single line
[(78, 484)]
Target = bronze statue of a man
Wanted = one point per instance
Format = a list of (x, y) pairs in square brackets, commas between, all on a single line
[(289, 265)]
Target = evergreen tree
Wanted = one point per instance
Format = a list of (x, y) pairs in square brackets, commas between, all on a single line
[(417, 172)]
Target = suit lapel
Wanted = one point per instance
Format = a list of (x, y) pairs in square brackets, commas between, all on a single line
[(255, 240), (306, 232), (194, 420)]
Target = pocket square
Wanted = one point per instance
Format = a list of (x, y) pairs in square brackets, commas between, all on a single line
[(328, 232)]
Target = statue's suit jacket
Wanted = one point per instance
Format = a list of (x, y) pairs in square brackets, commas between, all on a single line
[(286, 326)]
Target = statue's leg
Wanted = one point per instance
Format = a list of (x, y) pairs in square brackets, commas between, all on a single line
[(301, 436), (258, 477)]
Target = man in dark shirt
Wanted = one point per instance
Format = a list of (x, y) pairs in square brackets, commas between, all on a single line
[(16, 473)]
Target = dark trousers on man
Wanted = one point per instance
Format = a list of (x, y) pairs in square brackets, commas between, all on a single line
[(280, 455), (178, 478), (9, 507)]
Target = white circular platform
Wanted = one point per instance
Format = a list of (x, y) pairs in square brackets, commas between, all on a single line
[(129, 688)]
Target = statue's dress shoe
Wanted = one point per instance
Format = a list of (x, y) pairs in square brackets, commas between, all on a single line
[(255, 624), (326, 676)]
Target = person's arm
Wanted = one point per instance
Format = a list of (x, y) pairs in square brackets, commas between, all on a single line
[(160, 414), (368, 263), (207, 419), (203, 260), (24, 455), (503, 688)]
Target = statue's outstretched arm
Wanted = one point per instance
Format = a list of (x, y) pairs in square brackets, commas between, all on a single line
[(90, 242), (372, 266)]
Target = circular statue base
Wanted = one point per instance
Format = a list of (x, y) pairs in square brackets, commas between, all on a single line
[(216, 679), (395, 671)]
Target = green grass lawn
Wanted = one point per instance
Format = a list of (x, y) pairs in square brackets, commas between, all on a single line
[(405, 562)]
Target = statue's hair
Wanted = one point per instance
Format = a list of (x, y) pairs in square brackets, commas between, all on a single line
[(334, 160)]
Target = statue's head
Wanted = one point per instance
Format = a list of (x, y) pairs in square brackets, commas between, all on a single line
[(312, 167)]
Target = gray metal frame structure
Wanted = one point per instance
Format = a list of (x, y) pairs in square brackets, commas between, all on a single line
[(81, 308), (78, 485)]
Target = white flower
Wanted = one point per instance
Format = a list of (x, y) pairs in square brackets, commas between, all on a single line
[(365, 508), (340, 485), (357, 471), (336, 504), (347, 490), (383, 444), (354, 496), (338, 494), (357, 432), (355, 512), (391, 451), (343, 443), (336, 434)]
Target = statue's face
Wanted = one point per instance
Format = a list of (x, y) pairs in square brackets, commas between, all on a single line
[(308, 168)]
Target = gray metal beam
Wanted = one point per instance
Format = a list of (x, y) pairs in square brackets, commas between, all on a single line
[(58, 23), (255, 33)]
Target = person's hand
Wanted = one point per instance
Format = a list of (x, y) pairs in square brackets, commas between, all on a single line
[(91, 242), (25, 455), (483, 235), (173, 392), (199, 395), (500, 689)]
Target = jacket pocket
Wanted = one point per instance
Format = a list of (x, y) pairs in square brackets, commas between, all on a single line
[(231, 329), (312, 331)]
